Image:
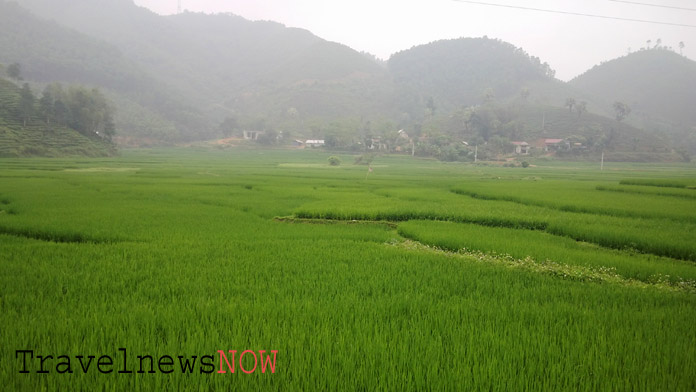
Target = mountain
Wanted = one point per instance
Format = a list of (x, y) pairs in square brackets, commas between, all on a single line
[(657, 84), (481, 88), (49, 52), (323, 81), (177, 78), (462, 72), (229, 66), (451, 74)]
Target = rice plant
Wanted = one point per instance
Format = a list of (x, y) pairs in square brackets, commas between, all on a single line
[(177, 253)]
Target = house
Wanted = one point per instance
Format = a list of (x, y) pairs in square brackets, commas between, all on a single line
[(298, 143), (252, 135), (551, 144), (377, 144), (314, 143), (521, 148)]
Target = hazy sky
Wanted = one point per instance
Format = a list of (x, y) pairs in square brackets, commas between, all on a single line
[(570, 44)]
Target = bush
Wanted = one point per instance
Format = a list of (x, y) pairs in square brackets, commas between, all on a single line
[(334, 160), (525, 164)]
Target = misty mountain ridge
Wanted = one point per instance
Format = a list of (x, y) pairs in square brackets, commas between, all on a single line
[(655, 82), (176, 78), (658, 84), (223, 59)]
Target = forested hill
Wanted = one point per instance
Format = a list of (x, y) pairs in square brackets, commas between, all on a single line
[(659, 86), (462, 72), (451, 74), (50, 52), (229, 66), (655, 82)]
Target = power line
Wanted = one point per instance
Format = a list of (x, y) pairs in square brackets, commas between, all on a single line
[(574, 13), (654, 5)]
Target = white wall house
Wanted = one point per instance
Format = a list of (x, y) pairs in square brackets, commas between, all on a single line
[(314, 143)]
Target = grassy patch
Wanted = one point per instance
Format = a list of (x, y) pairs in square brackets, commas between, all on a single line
[(544, 247)]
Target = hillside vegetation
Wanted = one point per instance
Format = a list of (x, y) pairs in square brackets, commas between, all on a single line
[(463, 72), (658, 84), (49, 52), (22, 136), (229, 66)]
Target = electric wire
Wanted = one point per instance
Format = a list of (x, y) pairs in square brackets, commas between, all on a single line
[(574, 13), (654, 5)]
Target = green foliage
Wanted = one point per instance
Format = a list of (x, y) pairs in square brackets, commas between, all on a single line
[(46, 128), (14, 71), (622, 110), (229, 127), (268, 138), (26, 103), (87, 111), (334, 160)]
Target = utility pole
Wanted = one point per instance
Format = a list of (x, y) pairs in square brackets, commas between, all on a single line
[(179, 8), (601, 167)]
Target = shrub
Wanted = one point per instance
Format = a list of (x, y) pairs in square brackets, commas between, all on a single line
[(334, 160)]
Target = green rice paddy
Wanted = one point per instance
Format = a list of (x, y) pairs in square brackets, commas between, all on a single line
[(419, 275)]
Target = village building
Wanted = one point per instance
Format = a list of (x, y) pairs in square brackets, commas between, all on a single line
[(521, 148), (377, 144), (314, 143), (251, 135), (551, 144)]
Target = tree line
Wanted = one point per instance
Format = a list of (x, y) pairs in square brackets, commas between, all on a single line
[(82, 109)]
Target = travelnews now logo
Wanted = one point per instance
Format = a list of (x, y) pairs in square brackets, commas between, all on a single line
[(227, 362)]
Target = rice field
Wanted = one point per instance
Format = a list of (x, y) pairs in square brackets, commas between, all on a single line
[(419, 275)]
